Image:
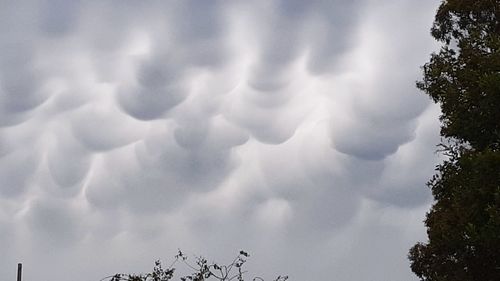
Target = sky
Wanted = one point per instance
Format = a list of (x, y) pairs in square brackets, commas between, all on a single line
[(290, 129)]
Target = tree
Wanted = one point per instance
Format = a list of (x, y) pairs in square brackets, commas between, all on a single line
[(201, 270), (464, 77), (463, 225)]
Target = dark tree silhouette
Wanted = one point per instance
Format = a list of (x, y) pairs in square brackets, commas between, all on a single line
[(463, 225), (201, 270)]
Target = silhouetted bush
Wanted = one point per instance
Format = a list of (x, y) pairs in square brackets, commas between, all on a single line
[(201, 270)]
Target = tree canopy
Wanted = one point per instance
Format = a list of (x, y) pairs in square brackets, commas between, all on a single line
[(463, 225), (464, 77)]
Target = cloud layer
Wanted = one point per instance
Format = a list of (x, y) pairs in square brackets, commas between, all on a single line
[(291, 129)]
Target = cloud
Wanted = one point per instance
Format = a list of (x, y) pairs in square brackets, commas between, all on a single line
[(55, 223), (291, 129), (159, 89), (58, 18), (16, 171)]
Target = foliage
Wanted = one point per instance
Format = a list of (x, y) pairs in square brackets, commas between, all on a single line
[(464, 77), (463, 225), (202, 270)]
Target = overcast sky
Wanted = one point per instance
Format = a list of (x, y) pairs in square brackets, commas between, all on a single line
[(291, 129)]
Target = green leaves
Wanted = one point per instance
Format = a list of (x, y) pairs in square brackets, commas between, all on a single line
[(463, 225), (463, 76)]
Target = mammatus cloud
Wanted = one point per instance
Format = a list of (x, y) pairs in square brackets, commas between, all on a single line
[(291, 129)]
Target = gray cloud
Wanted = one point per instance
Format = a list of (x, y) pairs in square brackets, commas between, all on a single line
[(291, 129), (59, 17), (16, 171), (55, 222)]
